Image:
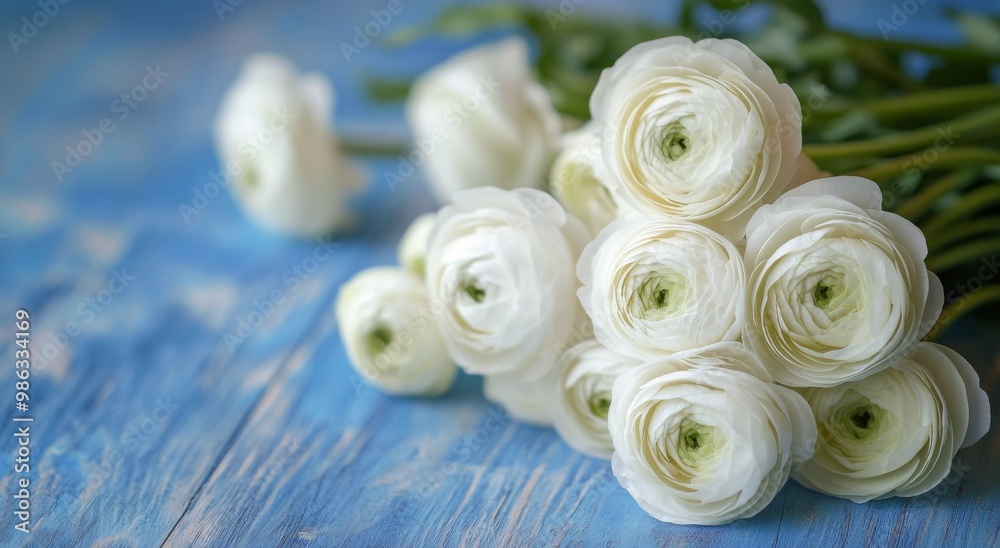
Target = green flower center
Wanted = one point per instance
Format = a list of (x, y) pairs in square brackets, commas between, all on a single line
[(250, 178), (600, 403), (662, 298), (697, 442), (863, 418), (828, 292), (661, 294), (419, 266), (692, 440), (476, 293), (859, 420), (379, 340), (675, 142)]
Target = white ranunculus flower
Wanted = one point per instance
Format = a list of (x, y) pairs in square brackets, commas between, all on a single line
[(659, 285), (386, 325), (481, 120), (699, 131), (273, 138), (896, 432), (526, 401), (575, 179), (579, 407), (701, 438), (838, 288), (413, 245), (501, 265)]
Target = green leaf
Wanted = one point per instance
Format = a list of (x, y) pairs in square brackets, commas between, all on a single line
[(727, 4), (459, 22), (853, 124), (465, 21), (966, 303), (924, 201), (780, 39), (387, 90), (969, 252), (981, 32), (405, 36), (807, 9), (686, 16)]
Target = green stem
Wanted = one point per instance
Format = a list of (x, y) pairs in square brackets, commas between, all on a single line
[(361, 147), (875, 62), (917, 206), (967, 303), (963, 254), (922, 102), (957, 54), (949, 157), (975, 227), (907, 141), (969, 204)]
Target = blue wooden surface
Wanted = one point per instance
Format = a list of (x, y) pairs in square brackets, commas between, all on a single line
[(150, 429)]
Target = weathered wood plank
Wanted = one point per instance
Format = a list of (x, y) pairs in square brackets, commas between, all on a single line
[(138, 400), (128, 427), (278, 441), (356, 467)]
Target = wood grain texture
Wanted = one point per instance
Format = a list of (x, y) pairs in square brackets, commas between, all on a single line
[(151, 428)]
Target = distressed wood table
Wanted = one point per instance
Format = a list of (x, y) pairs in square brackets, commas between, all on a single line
[(189, 386)]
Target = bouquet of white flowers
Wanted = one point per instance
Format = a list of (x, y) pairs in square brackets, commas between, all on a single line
[(703, 307), (693, 299)]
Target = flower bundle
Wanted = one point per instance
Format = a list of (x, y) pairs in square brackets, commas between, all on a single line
[(694, 300)]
